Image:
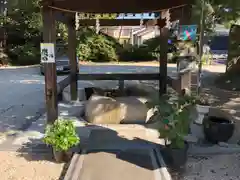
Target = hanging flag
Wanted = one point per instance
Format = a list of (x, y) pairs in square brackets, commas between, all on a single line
[(188, 32)]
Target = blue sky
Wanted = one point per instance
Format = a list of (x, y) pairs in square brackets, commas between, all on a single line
[(137, 16)]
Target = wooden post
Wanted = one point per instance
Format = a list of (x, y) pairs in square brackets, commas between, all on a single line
[(201, 43), (164, 33), (163, 60), (49, 36), (121, 85), (73, 59)]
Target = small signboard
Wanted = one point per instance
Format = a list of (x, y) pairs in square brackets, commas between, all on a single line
[(188, 32), (47, 53)]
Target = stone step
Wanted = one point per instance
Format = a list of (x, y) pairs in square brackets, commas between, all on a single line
[(118, 164), (109, 156)]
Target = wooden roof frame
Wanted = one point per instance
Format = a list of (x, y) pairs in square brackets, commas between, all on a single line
[(51, 10), (65, 18), (115, 6), (176, 14)]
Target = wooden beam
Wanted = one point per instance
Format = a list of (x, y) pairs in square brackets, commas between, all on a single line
[(119, 76), (64, 18), (49, 36), (163, 59), (121, 85), (154, 22), (116, 6), (111, 22), (164, 34), (73, 58), (63, 83)]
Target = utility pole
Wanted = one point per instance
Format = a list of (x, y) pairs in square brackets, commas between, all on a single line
[(201, 37)]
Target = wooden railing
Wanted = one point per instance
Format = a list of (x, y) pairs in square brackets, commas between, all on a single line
[(63, 83), (180, 82)]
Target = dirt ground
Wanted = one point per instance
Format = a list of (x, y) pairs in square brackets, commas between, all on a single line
[(221, 166), (17, 166), (215, 167), (210, 167)]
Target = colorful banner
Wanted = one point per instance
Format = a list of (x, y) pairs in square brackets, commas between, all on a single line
[(188, 32)]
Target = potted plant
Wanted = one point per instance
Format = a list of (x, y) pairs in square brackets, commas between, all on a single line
[(174, 116), (174, 129), (202, 107), (61, 135)]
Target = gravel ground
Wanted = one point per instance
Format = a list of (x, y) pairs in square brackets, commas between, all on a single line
[(16, 166), (216, 167)]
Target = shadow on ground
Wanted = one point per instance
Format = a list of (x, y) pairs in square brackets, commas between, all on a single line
[(103, 140)]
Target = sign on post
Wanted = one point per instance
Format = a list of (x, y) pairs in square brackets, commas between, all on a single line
[(47, 53), (188, 32)]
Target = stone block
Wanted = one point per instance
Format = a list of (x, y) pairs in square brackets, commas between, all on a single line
[(106, 110), (66, 95)]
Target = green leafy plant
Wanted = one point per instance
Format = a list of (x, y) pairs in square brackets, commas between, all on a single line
[(61, 135), (173, 112), (96, 47)]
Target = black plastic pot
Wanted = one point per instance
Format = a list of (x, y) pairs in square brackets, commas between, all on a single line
[(62, 156), (58, 156), (218, 129), (176, 158)]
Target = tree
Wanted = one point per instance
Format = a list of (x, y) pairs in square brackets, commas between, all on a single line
[(96, 47), (23, 24), (224, 12), (233, 62)]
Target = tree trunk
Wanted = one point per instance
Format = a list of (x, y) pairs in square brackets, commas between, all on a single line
[(233, 61)]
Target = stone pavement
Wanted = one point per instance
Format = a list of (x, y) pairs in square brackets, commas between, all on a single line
[(109, 166)]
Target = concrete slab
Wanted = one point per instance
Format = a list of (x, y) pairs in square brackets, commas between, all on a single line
[(108, 156), (118, 165)]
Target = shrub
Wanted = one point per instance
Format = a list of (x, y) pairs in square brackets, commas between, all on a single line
[(136, 53), (26, 54), (61, 135), (96, 47)]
